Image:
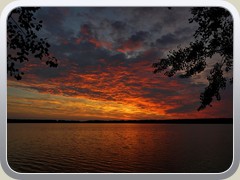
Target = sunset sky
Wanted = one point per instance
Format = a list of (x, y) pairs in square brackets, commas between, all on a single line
[(105, 68)]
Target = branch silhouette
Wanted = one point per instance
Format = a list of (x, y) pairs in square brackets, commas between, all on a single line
[(23, 41), (213, 36)]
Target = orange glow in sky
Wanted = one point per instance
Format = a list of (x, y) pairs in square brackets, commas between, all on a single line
[(105, 69)]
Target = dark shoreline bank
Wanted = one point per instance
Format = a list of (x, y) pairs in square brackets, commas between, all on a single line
[(173, 121)]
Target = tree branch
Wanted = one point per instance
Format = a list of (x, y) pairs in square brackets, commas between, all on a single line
[(18, 26)]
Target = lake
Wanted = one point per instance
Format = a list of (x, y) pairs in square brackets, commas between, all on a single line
[(119, 148)]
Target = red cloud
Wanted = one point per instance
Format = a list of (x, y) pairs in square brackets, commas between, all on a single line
[(134, 42), (85, 30), (130, 45), (95, 42), (98, 43), (134, 89), (78, 40)]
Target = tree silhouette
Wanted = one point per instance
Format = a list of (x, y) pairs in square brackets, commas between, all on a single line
[(213, 36), (23, 42)]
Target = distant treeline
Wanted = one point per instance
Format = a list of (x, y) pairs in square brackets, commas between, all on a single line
[(170, 121)]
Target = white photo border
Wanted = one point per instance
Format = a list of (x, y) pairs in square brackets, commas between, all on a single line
[(122, 3)]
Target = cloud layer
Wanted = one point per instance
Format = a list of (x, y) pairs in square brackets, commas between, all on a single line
[(105, 57)]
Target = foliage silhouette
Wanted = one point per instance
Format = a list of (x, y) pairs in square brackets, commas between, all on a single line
[(213, 36), (22, 40)]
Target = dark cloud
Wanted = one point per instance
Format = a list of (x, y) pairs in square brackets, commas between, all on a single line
[(139, 36), (118, 25), (156, 28), (53, 22), (185, 31), (106, 54), (134, 42), (88, 55), (180, 36), (167, 39)]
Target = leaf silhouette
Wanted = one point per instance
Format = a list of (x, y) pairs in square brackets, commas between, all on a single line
[(23, 41), (213, 36)]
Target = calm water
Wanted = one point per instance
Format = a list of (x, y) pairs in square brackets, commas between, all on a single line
[(138, 148)]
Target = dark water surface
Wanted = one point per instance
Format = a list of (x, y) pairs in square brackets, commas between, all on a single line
[(123, 148)]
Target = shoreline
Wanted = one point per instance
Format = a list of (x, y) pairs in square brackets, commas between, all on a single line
[(170, 121)]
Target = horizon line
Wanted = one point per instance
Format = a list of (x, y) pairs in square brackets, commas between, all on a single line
[(196, 120)]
